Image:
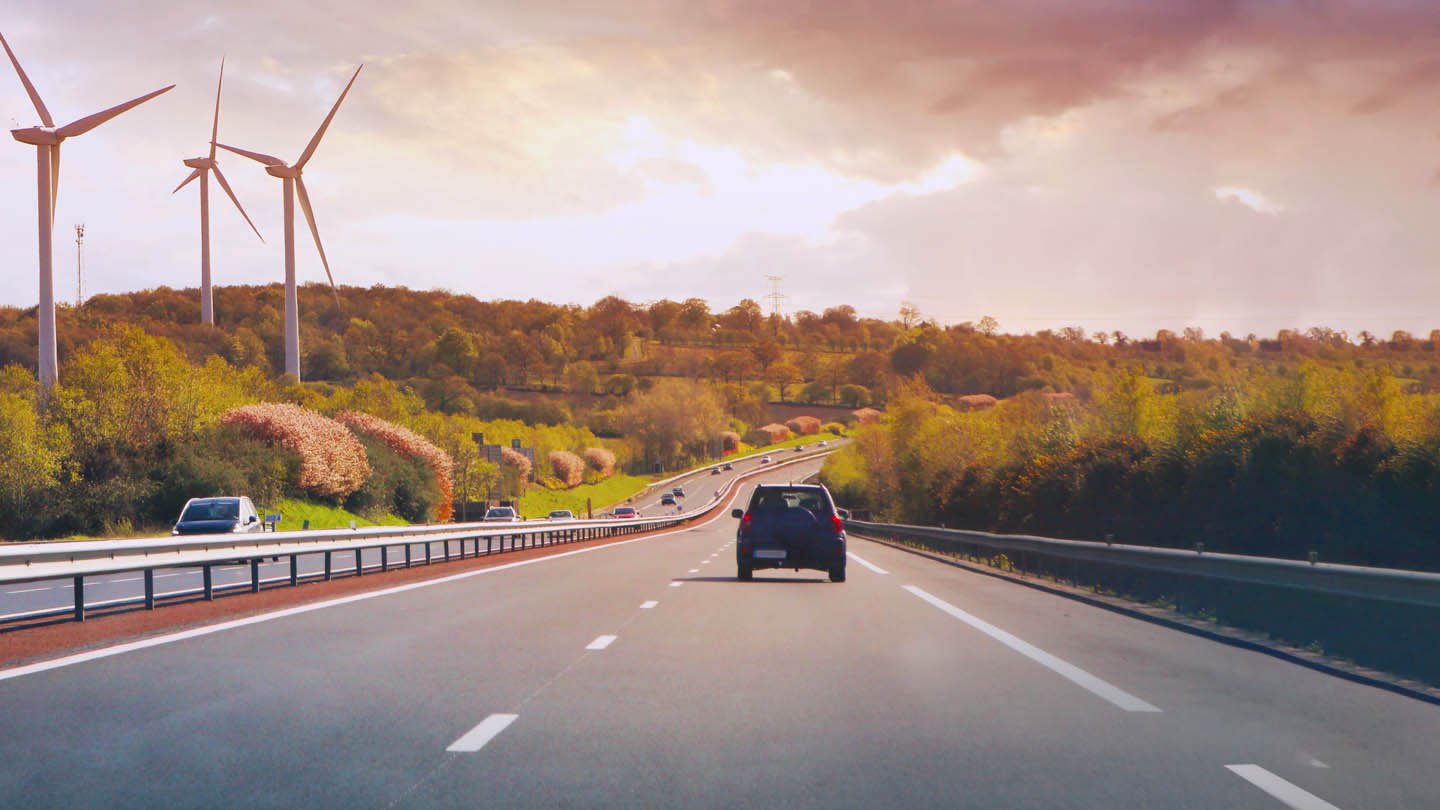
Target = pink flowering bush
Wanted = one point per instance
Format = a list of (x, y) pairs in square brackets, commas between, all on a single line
[(332, 460), (600, 460), (409, 444), (804, 425), (568, 467), (517, 462)]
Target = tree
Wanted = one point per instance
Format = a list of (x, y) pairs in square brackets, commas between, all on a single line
[(784, 375), (672, 422), (766, 353), (989, 326), (581, 377), (909, 315)]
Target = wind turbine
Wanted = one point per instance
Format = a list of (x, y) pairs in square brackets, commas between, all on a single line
[(290, 175), (46, 139), (202, 167)]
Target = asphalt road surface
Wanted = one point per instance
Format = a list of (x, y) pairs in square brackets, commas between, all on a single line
[(643, 675)]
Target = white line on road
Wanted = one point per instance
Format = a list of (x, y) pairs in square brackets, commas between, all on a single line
[(694, 570), (704, 562), (601, 642), (477, 737), (1064, 669), (1287, 793), (30, 590), (647, 605), (872, 566), (676, 584)]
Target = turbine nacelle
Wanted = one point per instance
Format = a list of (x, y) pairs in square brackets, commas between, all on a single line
[(199, 163), (38, 136), (290, 172)]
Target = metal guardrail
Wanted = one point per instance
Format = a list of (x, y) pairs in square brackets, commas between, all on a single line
[(425, 544), (1390, 585)]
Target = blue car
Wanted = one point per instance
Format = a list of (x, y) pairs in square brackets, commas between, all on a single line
[(790, 526)]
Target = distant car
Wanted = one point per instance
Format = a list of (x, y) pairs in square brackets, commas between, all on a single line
[(790, 526), (667, 500), (678, 492), (765, 460), (822, 443), (714, 470), (728, 466), (561, 514), (625, 513), (500, 514), (799, 448), (218, 516)]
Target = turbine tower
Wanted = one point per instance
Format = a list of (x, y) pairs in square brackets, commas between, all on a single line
[(46, 139), (202, 167), (290, 175)]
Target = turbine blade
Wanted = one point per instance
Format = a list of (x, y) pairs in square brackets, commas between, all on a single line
[(219, 175), (314, 231), (192, 176), (89, 122), (319, 133), (268, 160), (54, 180), (29, 88), (215, 127)]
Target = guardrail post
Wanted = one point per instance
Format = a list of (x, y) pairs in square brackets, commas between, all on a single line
[(427, 552), (149, 589), (384, 558), (407, 553), (80, 599), (447, 551), (488, 540), (294, 569), (209, 583), (327, 566), (359, 563), (254, 574)]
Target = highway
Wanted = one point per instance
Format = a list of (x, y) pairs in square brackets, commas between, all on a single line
[(641, 674), (20, 600)]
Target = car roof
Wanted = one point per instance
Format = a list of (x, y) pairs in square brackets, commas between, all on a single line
[(217, 499)]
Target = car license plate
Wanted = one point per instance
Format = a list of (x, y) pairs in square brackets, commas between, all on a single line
[(769, 553)]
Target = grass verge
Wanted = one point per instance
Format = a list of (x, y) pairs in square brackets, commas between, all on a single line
[(295, 512)]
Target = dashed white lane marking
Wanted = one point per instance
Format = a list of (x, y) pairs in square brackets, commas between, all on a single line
[(647, 605), (704, 562), (30, 590), (601, 642), (1285, 792), (694, 570), (1315, 763), (476, 738), (676, 584), (1063, 668), (872, 566)]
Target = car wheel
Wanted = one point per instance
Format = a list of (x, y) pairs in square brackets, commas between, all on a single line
[(744, 573), (837, 574)]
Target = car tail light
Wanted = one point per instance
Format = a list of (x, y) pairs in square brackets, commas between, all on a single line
[(837, 523)]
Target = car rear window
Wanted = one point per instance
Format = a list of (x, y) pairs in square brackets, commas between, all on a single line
[(212, 510), (774, 499)]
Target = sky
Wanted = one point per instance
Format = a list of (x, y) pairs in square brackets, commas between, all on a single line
[(1232, 165)]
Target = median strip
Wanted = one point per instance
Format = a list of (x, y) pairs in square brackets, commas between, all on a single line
[(1064, 669)]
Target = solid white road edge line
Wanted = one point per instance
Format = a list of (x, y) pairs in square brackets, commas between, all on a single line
[(872, 566), (156, 641), (647, 605), (601, 642), (1064, 669), (1287, 793), (476, 738)]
